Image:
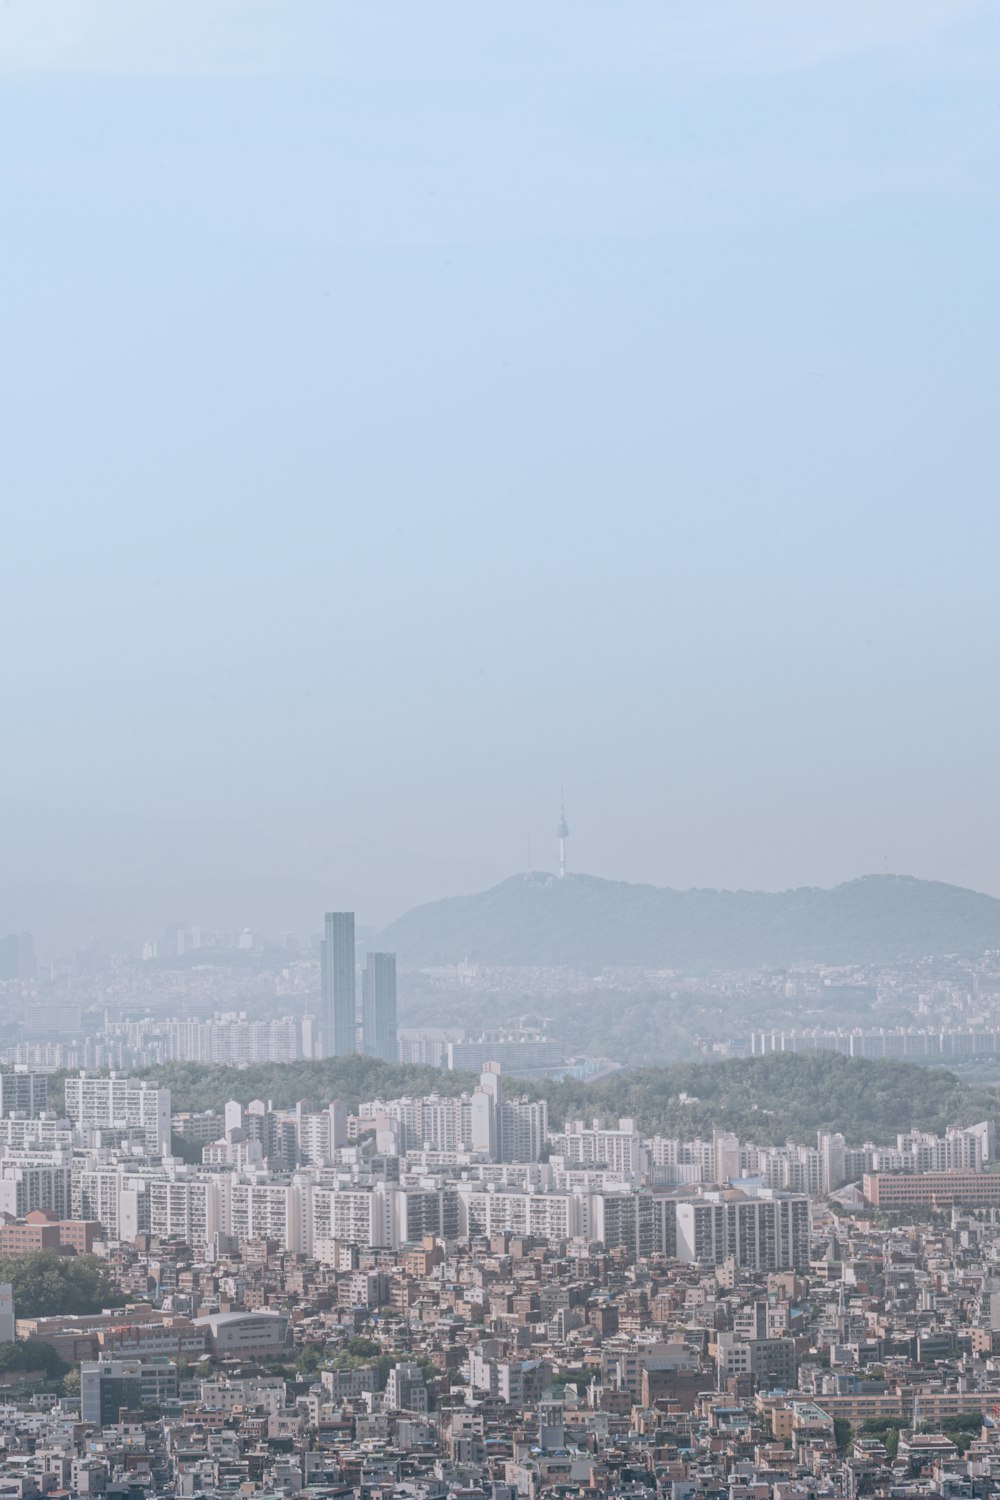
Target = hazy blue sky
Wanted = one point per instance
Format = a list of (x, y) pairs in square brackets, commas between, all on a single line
[(407, 407)]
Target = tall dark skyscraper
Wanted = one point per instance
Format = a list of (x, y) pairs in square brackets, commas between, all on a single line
[(17, 956), (378, 1007), (338, 986)]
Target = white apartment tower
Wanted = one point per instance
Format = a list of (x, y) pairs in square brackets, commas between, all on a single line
[(120, 1103)]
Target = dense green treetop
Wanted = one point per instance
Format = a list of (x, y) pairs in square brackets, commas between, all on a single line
[(33, 1355), (46, 1283), (786, 1096), (201, 1086)]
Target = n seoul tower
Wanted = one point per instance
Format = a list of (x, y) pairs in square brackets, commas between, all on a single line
[(563, 834)]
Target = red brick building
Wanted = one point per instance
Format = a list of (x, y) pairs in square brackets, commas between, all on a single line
[(41, 1230)]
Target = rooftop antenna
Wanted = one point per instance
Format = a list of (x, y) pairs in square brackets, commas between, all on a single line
[(563, 834)]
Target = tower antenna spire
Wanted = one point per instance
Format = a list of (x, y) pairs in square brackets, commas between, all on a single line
[(563, 834)]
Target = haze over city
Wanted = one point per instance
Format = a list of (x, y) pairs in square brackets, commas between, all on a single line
[(499, 895), (411, 409)]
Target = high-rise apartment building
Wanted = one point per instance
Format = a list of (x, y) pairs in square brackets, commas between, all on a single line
[(267, 1211), (23, 1093), (618, 1150), (378, 1007), (769, 1232), (28, 1182), (188, 1208), (119, 1103), (524, 1128), (507, 1130), (485, 1113), (338, 986), (320, 1133)]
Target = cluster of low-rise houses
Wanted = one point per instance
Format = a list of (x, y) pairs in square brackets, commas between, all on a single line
[(456, 1298)]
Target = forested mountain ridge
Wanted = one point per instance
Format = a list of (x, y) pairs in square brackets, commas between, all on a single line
[(786, 1096), (586, 922)]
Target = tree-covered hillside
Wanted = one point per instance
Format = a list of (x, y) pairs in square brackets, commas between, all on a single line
[(786, 1096), (200, 1086), (45, 1283)]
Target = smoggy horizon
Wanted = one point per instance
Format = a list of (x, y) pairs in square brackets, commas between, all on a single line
[(57, 920), (410, 412)]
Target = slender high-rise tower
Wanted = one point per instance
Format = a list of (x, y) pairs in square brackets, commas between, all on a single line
[(563, 833), (338, 986), (486, 1113), (378, 1007)]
